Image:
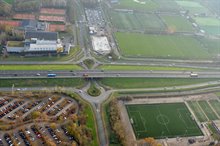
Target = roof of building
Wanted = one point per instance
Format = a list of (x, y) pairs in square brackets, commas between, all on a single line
[(41, 35), (29, 23)]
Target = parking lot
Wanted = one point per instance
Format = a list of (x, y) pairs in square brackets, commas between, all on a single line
[(34, 121)]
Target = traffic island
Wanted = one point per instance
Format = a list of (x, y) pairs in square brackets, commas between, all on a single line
[(93, 90)]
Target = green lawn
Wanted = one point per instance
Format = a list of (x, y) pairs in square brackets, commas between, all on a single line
[(197, 111), (40, 67), (177, 23), (160, 46), (136, 67), (126, 83), (207, 110), (162, 120), (148, 5), (51, 82)]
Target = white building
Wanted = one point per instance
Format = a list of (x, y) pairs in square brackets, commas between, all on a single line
[(37, 42), (101, 45)]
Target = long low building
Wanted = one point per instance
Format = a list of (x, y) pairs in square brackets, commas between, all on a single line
[(36, 42), (101, 45)]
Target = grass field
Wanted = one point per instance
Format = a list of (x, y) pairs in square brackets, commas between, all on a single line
[(197, 111), (147, 5), (177, 23), (212, 46), (162, 120), (73, 82), (207, 110), (193, 7), (136, 67), (126, 83), (203, 111), (160, 46), (216, 105), (9, 1), (41, 67), (167, 5), (210, 25), (136, 21)]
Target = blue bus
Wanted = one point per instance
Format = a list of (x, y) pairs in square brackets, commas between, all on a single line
[(51, 75)]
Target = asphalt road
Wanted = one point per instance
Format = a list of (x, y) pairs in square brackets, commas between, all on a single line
[(107, 74)]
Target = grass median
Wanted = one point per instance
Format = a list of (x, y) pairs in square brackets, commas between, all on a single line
[(126, 83), (144, 67), (46, 82), (41, 67)]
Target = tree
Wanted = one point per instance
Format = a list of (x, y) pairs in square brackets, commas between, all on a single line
[(151, 142)]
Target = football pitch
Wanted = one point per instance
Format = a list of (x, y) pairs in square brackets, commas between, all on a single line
[(160, 46), (162, 120)]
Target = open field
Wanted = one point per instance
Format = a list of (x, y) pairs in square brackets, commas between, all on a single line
[(121, 83), (147, 5), (74, 82), (162, 120), (136, 67), (41, 67), (136, 21), (177, 23), (160, 46)]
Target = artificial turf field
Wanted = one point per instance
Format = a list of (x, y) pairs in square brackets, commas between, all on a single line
[(162, 120)]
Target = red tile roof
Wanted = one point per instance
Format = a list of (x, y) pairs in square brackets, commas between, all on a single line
[(10, 23), (53, 11), (52, 18), (24, 16), (57, 27)]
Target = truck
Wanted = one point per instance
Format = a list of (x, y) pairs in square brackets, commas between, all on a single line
[(193, 75), (51, 75)]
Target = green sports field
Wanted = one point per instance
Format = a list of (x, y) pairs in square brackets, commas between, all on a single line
[(209, 24), (216, 105), (177, 23), (193, 7), (162, 120), (136, 21), (205, 111), (147, 5), (9, 1), (160, 46)]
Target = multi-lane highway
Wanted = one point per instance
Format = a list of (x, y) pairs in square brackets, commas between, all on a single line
[(108, 74)]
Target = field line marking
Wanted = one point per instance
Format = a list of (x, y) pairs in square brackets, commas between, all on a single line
[(163, 119)]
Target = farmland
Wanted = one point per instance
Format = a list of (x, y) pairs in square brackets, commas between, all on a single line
[(160, 46), (162, 120)]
